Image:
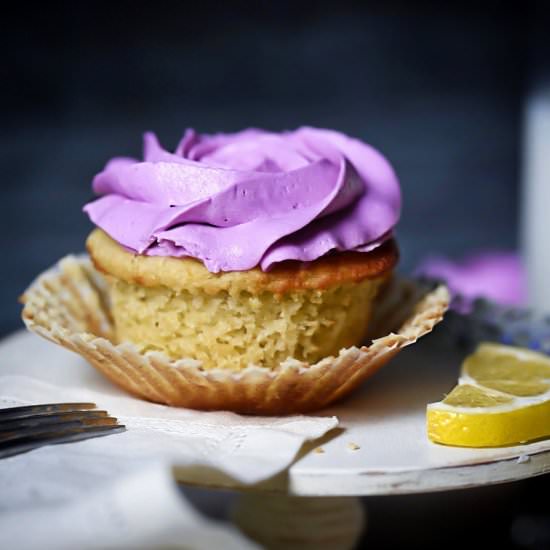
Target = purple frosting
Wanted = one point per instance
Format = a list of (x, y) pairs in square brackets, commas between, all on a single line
[(253, 198)]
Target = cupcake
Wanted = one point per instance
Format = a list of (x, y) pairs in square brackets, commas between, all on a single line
[(248, 248), (241, 272)]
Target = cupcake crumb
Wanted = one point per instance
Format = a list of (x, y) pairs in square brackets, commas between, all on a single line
[(523, 459), (319, 450), (353, 446)]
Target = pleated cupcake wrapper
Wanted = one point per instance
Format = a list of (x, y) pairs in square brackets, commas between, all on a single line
[(68, 304)]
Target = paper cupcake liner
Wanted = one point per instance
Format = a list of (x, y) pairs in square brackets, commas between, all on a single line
[(68, 305)]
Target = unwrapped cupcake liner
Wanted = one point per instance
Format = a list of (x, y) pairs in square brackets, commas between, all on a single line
[(68, 304)]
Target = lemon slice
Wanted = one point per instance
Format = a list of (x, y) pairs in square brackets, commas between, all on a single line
[(502, 398)]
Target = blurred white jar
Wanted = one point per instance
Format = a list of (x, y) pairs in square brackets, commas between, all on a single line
[(536, 197)]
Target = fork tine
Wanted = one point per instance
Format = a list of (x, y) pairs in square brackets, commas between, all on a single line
[(75, 434), (25, 428), (26, 432), (31, 410), (49, 418)]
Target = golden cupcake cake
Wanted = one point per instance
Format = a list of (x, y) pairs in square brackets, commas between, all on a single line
[(236, 319), (240, 271)]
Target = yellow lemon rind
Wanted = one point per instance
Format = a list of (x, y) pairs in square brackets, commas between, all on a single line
[(480, 428)]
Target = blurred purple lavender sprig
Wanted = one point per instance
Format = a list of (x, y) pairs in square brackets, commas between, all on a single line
[(489, 294)]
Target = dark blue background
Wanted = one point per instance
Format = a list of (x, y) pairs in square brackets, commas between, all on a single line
[(438, 89)]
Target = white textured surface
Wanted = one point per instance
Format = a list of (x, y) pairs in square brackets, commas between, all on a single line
[(385, 420), (140, 510)]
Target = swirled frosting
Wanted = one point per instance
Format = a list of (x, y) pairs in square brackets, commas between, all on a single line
[(252, 198)]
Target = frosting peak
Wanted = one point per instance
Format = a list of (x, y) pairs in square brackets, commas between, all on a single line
[(236, 201)]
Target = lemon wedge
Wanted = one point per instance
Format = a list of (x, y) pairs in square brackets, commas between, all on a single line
[(502, 398)]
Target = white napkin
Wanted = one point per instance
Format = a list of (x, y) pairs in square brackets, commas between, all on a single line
[(140, 510), (77, 475)]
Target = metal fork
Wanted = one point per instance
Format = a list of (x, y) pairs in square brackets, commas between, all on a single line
[(26, 428)]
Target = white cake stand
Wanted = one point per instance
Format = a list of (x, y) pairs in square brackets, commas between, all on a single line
[(379, 448)]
